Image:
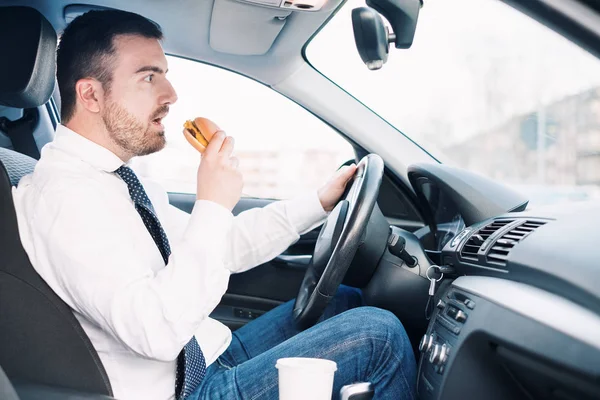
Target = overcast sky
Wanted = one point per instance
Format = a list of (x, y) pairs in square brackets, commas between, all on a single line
[(473, 64)]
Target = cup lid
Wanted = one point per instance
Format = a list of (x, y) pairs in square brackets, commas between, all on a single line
[(319, 364)]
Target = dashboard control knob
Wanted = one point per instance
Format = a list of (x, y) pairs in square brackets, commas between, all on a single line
[(423, 342), (478, 239), (434, 357), (426, 343), (439, 354), (444, 354), (460, 316), (441, 304)]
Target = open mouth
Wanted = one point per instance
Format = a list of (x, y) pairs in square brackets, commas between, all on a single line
[(157, 121)]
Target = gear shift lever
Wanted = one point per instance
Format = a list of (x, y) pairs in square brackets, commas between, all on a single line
[(357, 391)]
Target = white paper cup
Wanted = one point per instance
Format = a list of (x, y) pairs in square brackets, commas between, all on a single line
[(305, 378)]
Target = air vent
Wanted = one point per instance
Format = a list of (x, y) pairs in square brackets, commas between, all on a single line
[(471, 248), (501, 249)]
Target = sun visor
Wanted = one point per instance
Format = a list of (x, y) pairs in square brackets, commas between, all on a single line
[(28, 48), (245, 29)]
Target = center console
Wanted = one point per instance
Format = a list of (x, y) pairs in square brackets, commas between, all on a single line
[(441, 339), (496, 339)]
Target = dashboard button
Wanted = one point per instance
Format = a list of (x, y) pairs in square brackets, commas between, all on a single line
[(449, 325), (460, 316), (451, 312), (444, 354), (441, 304), (423, 343), (429, 343), (434, 357), (426, 343), (439, 354), (470, 304), (478, 239)]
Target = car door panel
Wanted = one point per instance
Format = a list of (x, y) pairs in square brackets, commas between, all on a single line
[(254, 292), (236, 310)]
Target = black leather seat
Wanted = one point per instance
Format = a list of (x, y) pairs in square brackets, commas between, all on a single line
[(17, 165), (41, 341)]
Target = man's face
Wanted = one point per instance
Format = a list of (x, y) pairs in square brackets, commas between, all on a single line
[(139, 96)]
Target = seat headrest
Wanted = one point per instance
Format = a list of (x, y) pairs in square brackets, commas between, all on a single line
[(28, 54)]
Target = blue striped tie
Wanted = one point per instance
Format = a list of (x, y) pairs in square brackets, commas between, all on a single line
[(191, 365)]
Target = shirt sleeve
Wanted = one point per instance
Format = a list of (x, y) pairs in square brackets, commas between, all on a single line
[(102, 272), (260, 234)]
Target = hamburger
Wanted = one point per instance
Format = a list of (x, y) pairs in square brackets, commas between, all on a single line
[(199, 132)]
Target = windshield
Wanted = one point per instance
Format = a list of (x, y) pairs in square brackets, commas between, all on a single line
[(486, 88)]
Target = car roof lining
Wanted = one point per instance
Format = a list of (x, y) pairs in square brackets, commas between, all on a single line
[(242, 37)]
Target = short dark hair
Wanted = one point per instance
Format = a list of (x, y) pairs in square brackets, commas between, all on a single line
[(86, 49)]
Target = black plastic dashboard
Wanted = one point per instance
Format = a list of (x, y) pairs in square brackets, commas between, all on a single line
[(555, 249), (521, 319), (496, 339), (552, 248)]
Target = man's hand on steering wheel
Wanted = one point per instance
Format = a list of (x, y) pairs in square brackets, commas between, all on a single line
[(331, 192), (340, 235)]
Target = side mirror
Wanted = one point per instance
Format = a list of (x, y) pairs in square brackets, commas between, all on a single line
[(373, 38)]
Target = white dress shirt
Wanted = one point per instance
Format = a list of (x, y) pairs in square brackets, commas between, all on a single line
[(84, 237)]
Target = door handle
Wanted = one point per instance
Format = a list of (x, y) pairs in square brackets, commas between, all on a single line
[(293, 260)]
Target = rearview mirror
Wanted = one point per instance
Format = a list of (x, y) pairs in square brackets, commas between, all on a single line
[(371, 35)]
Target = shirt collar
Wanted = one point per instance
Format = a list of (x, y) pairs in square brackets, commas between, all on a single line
[(81, 147)]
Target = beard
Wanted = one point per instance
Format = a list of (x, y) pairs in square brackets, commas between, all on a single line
[(132, 135)]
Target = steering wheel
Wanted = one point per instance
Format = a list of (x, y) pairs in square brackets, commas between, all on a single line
[(338, 240)]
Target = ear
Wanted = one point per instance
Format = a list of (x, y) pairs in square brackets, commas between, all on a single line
[(90, 94)]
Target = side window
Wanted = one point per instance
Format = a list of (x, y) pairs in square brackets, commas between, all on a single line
[(283, 149)]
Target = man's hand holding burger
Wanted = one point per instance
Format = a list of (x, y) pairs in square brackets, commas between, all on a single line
[(219, 179)]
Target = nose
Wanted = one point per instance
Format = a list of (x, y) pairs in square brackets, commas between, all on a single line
[(169, 96)]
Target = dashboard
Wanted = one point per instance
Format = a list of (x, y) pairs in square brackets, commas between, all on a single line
[(492, 338), (554, 249), (521, 317)]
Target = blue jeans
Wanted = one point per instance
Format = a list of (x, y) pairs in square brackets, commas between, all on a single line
[(368, 344)]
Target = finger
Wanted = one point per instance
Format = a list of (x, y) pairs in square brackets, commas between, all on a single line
[(346, 173), (347, 169), (234, 162), (227, 147), (215, 144)]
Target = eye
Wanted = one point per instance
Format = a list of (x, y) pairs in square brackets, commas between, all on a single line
[(149, 78)]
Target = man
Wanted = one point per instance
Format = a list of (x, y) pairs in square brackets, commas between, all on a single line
[(141, 276)]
